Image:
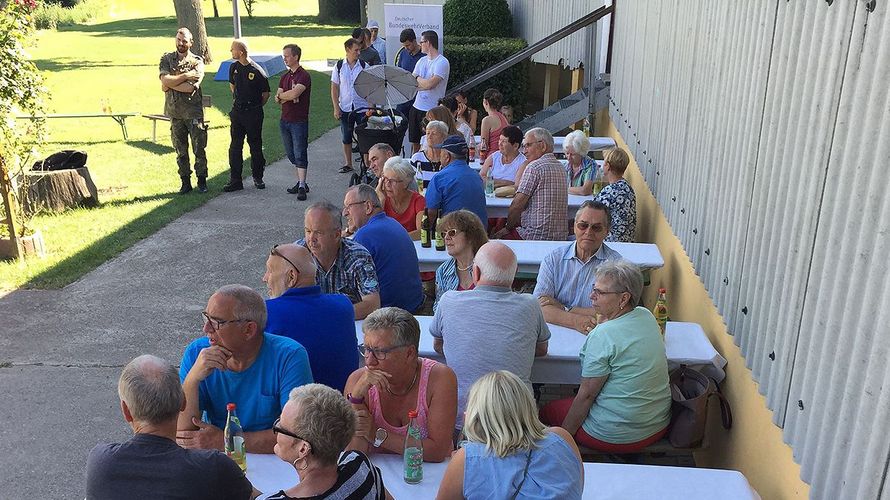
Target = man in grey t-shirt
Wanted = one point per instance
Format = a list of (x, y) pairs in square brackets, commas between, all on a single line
[(151, 464), (489, 327)]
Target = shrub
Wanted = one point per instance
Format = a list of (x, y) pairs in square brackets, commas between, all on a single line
[(469, 56), (52, 14), (339, 10), (490, 18)]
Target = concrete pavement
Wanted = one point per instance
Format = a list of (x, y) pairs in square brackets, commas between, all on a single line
[(61, 351)]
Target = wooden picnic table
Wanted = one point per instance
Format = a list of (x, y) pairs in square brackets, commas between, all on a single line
[(120, 118)]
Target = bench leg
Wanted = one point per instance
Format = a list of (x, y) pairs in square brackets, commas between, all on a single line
[(122, 121), (154, 131)]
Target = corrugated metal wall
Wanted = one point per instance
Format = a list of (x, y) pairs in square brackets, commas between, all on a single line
[(762, 128), (536, 19)]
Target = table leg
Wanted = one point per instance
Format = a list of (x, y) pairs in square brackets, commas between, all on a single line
[(122, 121)]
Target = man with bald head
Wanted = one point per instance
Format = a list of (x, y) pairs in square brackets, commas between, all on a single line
[(322, 323), (510, 325), (236, 362), (150, 464)]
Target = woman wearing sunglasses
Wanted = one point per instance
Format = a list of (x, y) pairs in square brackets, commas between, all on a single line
[(315, 427), (394, 381), (464, 235)]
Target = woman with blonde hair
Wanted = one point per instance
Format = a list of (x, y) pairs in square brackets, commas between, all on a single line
[(509, 453)]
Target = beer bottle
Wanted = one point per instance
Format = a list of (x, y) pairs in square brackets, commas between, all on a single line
[(413, 454), (483, 150), (425, 230), (660, 311), (234, 438)]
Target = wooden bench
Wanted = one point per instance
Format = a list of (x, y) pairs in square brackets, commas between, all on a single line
[(120, 118), (650, 454), (206, 102)]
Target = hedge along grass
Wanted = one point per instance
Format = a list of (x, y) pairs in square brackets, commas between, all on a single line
[(137, 180), (470, 56)]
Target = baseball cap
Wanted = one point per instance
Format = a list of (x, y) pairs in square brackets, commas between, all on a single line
[(372, 25), (454, 144)]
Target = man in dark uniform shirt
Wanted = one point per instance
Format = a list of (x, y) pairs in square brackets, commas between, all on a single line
[(250, 91)]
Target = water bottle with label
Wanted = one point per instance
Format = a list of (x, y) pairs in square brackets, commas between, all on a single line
[(234, 438), (413, 451), (489, 183)]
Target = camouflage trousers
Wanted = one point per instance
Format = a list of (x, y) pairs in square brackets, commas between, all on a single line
[(180, 132)]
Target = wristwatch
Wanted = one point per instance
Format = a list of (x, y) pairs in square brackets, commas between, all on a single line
[(380, 437)]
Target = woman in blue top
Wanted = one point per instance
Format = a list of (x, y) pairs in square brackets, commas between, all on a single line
[(463, 234), (509, 453), (581, 170)]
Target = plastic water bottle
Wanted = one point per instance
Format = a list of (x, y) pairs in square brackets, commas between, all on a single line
[(489, 183), (587, 126), (660, 311), (234, 438), (413, 451)]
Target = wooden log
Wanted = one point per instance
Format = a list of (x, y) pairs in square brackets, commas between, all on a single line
[(57, 190)]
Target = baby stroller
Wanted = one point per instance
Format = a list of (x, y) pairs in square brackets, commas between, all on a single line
[(383, 125)]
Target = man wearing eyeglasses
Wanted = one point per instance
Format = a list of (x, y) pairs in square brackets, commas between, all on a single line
[(568, 272), (539, 209), (236, 362), (322, 323), (390, 246)]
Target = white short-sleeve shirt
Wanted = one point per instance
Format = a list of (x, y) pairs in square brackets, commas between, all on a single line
[(426, 68), (345, 79)]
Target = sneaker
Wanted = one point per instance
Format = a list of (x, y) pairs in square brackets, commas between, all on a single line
[(259, 184), (295, 189), (231, 187), (345, 169), (301, 192)]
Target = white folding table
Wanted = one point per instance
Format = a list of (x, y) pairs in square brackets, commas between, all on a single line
[(596, 143), (529, 254), (497, 207), (562, 364), (269, 474)]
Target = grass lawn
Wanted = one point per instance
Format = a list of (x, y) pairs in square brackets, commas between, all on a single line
[(116, 57)]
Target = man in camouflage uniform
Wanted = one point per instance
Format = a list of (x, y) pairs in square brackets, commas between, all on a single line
[(181, 73)]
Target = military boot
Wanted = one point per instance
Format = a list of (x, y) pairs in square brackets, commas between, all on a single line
[(186, 185), (202, 184)]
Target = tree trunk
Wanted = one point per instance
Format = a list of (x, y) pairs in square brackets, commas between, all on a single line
[(215, 9), (190, 15), (57, 190), (9, 205)]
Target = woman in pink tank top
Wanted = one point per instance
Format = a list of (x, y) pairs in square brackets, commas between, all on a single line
[(396, 380), (494, 123)]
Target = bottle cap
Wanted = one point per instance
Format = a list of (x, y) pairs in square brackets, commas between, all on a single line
[(412, 413), (662, 290), (230, 406)]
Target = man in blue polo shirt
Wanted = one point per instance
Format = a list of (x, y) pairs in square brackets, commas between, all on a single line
[(323, 323), (456, 186), (236, 362), (391, 248)]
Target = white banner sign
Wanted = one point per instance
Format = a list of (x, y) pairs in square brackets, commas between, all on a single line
[(398, 16)]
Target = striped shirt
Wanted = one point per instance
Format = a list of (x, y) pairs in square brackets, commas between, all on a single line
[(357, 479)]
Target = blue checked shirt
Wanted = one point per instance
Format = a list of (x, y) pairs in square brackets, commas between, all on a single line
[(353, 273)]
